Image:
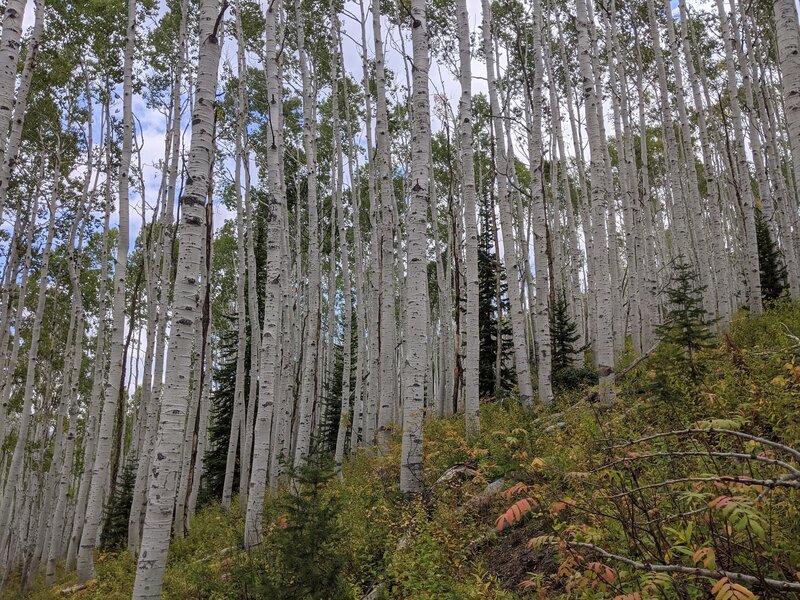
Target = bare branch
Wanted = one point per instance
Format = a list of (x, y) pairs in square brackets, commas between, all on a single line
[(693, 430), (731, 455), (767, 483), (775, 584)]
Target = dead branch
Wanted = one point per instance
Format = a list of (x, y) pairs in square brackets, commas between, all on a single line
[(691, 431), (637, 362), (730, 455), (72, 589), (767, 483), (775, 584)]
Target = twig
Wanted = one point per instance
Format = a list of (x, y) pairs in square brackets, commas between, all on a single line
[(768, 483), (693, 430), (732, 455), (776, 584)]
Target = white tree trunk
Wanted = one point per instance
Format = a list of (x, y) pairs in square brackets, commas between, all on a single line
[(177, 393), (272, 306), (416, 302), (468, 193)]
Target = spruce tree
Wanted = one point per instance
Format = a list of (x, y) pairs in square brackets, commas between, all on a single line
[(219, 428), (685, 325), (491, 324), (304, 556), (774, 284), (564, 334), (115, 525)]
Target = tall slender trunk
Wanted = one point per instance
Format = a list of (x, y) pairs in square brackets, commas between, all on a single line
[(94, 507), (177, 392), (603, 344), (517, 311), (272, 306), (416, 301), (468, 193), (309, 391)]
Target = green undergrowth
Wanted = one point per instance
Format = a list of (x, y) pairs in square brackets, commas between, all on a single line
[(567, 486)]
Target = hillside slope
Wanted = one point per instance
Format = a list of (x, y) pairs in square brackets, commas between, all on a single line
[(563, 503)]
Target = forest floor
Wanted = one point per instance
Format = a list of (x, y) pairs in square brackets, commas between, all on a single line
[(541, 505)]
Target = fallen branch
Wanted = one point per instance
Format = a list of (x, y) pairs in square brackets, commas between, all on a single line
[(731, 455), (775, 584), (637, 362), (456, 471), (72, 589), (692, 431), (551, 428)]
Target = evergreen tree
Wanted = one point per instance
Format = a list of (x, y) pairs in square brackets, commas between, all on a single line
[(115, 525), (564, 334), (332, 404), (304, 558), (774, 284), (490, 326), (686, 325), (563, 331), (219, 428)]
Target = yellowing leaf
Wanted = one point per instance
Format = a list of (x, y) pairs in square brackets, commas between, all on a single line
[(706, 556)]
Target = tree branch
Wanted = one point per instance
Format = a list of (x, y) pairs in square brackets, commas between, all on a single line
[(692, 430), (775, 584)]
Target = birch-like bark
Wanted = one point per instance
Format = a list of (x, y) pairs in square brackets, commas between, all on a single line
[(10, 149), (98, 385), (171, 157), (14, 478), (272, 307), (603, 344), (788, 43), (308, 391), (468, 193), (541, 316), (416, 300), (238, 418), (94, 506), (345, 415), (9, 55), (517, 313), (742, 172), (385, 222), (177, 393)]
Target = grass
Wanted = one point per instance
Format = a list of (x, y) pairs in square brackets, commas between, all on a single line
[(444, 546)]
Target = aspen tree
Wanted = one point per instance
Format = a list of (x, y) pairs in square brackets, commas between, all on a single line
[(308, 390), (517, 313), (96, 500), (269, 339), (345, 415), (741, 171), (9, 52), (539, 215), (177, 393), (468, 192), (9, 147), (603, 344), (787, 32), (14, 478), (385, 218), (416, 300)]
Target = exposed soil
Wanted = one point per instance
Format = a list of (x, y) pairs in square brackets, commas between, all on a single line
[(510, 560)]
